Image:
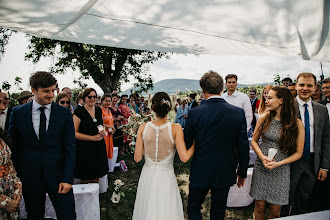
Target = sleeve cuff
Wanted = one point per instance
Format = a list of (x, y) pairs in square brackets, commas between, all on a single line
[(324, 169)]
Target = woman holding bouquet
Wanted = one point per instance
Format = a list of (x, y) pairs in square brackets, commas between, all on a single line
[(282, 132)]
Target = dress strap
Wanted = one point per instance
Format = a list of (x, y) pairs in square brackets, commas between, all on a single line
[(170, 132)]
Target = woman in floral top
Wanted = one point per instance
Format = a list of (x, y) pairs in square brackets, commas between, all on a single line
[(126, 112), (10, 184)]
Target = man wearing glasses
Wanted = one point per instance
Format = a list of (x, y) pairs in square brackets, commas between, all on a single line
[(5, 115)]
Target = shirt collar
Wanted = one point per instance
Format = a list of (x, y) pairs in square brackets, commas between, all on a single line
[(234, 94), (214, 97), (302, 103), (36, 105)]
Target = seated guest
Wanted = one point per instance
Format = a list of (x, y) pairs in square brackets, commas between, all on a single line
[(63, 99), (10, 184), (108, 123), (182, 114), (280, 131), (23, 97), (292, 88), (317, 94), (91, 157)]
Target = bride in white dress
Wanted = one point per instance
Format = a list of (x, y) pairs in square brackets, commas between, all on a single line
[(158, 195)]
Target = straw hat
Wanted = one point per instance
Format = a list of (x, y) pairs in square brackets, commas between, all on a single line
[(24, 94)]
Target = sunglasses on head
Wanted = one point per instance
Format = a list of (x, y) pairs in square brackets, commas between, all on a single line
[(91, 96), (65, 102)]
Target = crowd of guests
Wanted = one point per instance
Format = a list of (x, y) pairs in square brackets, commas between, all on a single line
[(77, 139)]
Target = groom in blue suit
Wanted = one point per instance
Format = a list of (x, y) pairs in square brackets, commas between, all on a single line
[(44, 141), (222, 149)]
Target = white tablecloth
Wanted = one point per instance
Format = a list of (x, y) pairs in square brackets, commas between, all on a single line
[(87, 203), (103, 183), (112, 162), (239, 197), (324, 215)]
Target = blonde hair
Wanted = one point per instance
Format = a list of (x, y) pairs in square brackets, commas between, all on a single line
[(262, 106)]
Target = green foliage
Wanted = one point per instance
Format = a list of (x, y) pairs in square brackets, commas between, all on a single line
[(4, 38), (75, 93), (12, 96), (277, 79), (6, 85), (108, 66)]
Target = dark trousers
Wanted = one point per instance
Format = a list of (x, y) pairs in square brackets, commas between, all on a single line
[(303, 179), (35, 196), (218, 202)]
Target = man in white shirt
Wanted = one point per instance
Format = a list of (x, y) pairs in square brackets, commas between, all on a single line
[(5, 115), (315, 162), (238, 99)]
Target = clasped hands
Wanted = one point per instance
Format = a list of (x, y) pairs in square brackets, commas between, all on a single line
[(14, 203), (269, 164)]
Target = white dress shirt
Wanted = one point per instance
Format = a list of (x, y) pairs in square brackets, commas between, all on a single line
[(3, 117), (301, 104), (328, 107), (242, 101), (36, 116)]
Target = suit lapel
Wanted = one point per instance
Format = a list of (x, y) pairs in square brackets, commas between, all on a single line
[(29, 121), (52, 119), (316, 115), (297, 110)]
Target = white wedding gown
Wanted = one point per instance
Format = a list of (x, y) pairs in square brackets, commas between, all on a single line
[(158, 195)]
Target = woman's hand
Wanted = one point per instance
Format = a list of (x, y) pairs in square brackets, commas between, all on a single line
[(12, 206), (265, 160), (18, 198), (120, 117), (272, 165), (97, 137)]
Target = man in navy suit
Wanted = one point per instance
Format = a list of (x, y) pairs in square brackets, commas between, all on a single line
[(219, 132), (44, 139)]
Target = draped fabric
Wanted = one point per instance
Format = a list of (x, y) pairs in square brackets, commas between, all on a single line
[(230, 27)]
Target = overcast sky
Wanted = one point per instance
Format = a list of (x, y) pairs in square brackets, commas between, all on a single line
[(249, 69)]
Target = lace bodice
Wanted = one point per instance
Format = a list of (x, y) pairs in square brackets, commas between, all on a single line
[(159, 145)]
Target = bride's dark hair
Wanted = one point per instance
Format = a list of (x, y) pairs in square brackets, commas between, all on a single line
[(161, 104)]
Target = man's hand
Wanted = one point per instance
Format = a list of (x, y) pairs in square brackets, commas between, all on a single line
[(240, 181), (12, 206), (64, 188), (322, 175)]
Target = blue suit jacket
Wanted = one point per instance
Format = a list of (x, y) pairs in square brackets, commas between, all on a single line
[(56, 159), (219, 131)]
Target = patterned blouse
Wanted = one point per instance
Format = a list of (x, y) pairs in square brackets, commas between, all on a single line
[(10, 184)]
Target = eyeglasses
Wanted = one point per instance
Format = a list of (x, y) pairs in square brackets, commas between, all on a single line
[(91, 96), (6, 98), (65, 102)]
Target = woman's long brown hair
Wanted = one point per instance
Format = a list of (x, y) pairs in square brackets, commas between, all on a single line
[(289, 132)]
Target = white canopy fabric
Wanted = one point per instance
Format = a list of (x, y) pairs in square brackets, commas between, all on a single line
[(223, 27)]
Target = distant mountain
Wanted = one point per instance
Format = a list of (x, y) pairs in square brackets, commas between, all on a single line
[(171, 86)]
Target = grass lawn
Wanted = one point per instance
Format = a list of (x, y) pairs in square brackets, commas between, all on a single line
[(124, 209)]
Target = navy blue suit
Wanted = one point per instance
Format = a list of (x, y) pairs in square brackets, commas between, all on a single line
[(42, 167), (219, 131)]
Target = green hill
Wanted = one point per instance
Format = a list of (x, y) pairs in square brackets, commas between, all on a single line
[(171, 86)]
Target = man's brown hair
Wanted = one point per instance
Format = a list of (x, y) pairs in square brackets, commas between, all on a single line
[(42, 79), (307, 75), (229, 76)]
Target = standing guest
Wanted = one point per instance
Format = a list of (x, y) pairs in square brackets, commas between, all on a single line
[(108, 123), (10, 184), (68, 91), (315, 162), (326, 91), (91, 161), (292, 88), (79, 99), (132, 103), (271, 177), (238, 99), (114, 91), (221, 149), (317, 94), (261, 106), (254, 100), (203, 98), (199, 102), (182, 114), (5, 115), (63, 99), (44, 139), (23, 97), (126, 112), (193, 102), (117, 119), (286, 81), (322, 189), (178, 103), (98, 101)]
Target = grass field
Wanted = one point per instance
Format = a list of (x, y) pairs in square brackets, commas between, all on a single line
[(124, 209)]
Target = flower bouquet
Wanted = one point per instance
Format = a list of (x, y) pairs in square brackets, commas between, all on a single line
[(115, 198)]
